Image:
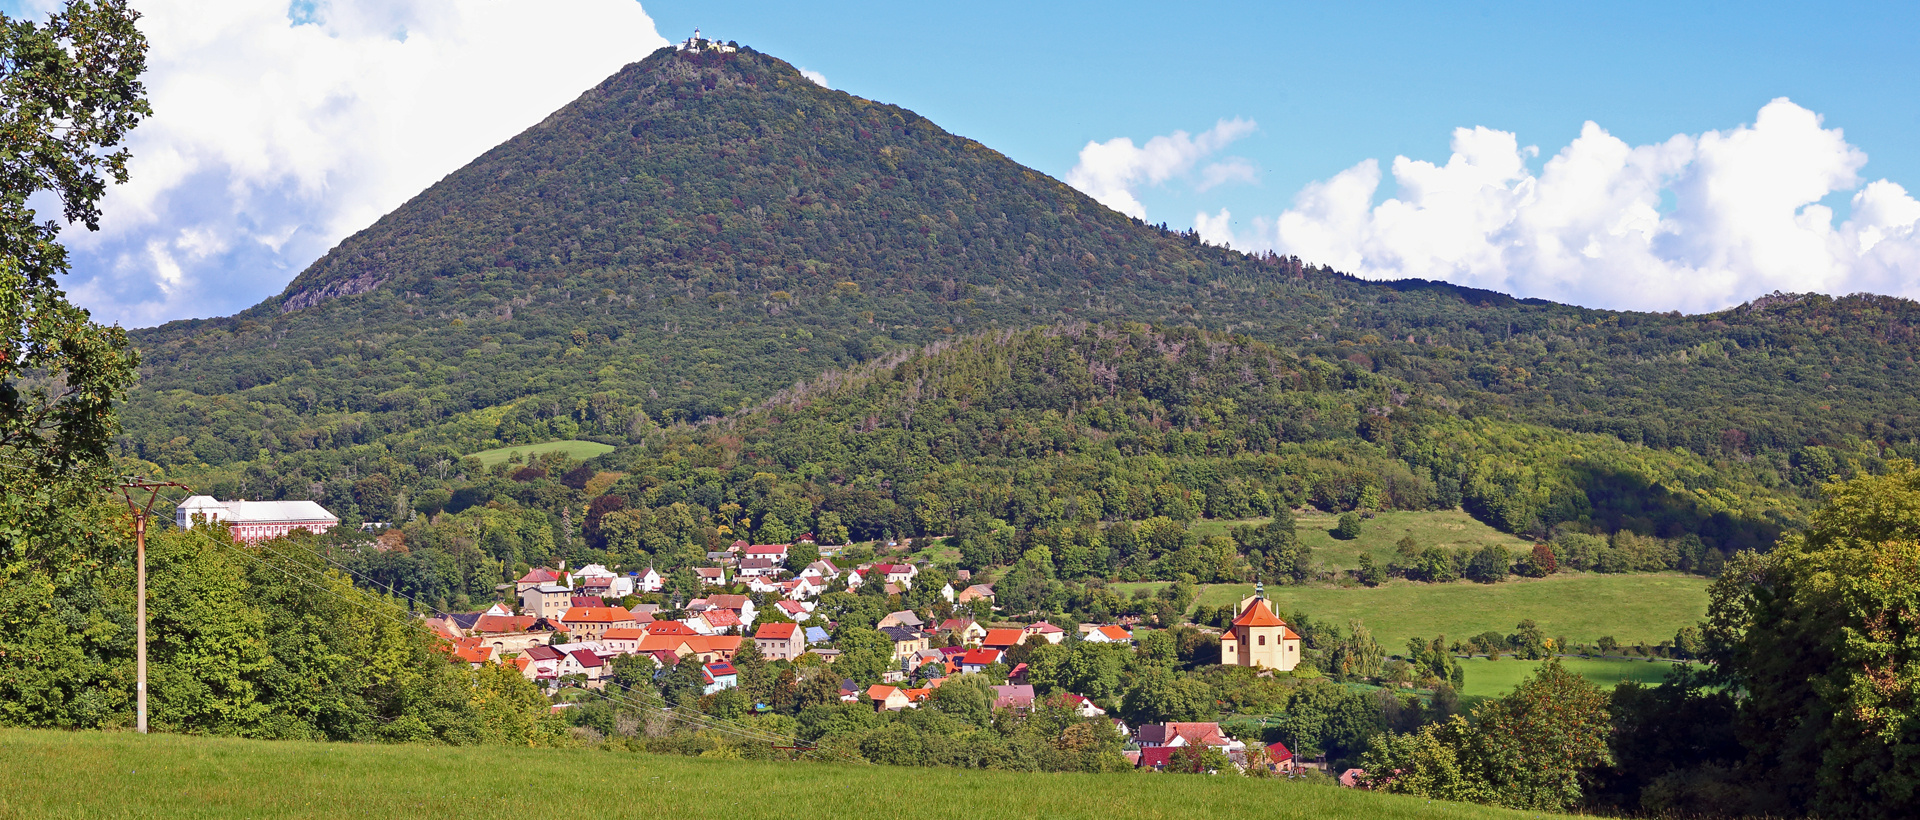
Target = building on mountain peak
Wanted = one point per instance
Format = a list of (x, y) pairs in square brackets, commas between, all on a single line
[(697, 44)]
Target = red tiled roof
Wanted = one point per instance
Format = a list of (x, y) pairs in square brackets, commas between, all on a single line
[(1279, 752), (540, 576), (1115, 633), (955, 624), (1258, 614), (625, 633), (596, 615), (586, 658), (1003, 637), (669, 628), (496, 624), (981, 657), (775, 632)]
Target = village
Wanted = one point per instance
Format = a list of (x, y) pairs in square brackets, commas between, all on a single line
[(570, 626)]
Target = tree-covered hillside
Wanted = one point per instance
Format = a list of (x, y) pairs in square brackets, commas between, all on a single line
[(702, 230)]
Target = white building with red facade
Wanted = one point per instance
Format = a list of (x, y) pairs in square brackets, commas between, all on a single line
[(256, 520)]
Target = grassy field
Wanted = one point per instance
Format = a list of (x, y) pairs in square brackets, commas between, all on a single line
[(49, 774), (1380, 534), (581, 450), (1487, 678), (1452, 529), (1582, 608)]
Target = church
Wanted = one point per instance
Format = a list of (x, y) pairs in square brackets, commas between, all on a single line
[(1258, 637)]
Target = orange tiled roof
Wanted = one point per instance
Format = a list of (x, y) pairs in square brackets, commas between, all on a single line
[(1115, 633), (596, 615), (1258, 614), (625, 633), (1003, 637), (775, 632)]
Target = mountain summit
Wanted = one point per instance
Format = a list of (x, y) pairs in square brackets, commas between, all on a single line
[(706, 227)]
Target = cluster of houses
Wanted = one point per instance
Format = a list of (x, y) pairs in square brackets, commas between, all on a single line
[(712, 629)]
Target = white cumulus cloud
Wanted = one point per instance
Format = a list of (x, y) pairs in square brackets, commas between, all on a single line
[(1111, 171), (280, 129), (1695, 223), (818, 78)]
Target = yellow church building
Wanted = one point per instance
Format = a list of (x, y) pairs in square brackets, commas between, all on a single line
[(1259, 638)]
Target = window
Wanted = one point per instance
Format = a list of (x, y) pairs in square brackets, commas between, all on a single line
[(1263, 640)]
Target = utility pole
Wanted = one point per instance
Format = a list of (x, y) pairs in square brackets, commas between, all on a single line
[(130, 489)]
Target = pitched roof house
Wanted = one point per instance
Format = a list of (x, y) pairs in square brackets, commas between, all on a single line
[(905, 617), (1003, 639), (978, 660), (1013, 696), (711, 576), (780, 642), (588, 623), (969, 632), (888, 698), (1109, 634), (757, 568), (719, 675), (974, 593)]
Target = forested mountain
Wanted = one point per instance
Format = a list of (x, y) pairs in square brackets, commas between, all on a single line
[(703, 229)]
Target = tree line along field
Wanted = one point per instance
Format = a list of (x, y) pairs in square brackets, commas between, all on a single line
[(1487, 679), (1581, 607), (169, 776)]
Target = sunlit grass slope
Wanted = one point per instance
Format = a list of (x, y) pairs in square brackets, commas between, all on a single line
[(45, 774), (582, 450), (1631, 608)]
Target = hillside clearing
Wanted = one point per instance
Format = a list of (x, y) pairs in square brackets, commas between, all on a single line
[(1487, 678), (574, 448), (175, 776), (1584, 607)]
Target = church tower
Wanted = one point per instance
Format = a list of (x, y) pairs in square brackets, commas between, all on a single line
[(1260, 638)]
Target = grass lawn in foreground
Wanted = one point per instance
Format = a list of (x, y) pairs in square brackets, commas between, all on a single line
[(1583, 607), (1487, 678), (579, 450), (53, 774)]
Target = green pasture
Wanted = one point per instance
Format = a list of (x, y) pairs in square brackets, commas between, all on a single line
[(1487, 678), (54, 774), (579, 450), (1379, 535), (1581, 607)]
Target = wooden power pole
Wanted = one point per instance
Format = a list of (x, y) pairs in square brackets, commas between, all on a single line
[(131, 490)]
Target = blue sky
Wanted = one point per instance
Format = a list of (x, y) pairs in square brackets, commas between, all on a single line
[(1326, 130), (1333, 83)]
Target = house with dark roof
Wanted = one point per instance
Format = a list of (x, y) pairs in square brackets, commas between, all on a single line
[(757, 568), (906, 641)]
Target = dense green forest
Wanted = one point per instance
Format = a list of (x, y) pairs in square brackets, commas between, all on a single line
[(703, 230)]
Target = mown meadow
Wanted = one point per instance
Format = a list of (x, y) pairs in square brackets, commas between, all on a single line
[(1647, 607), (171, 776)]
